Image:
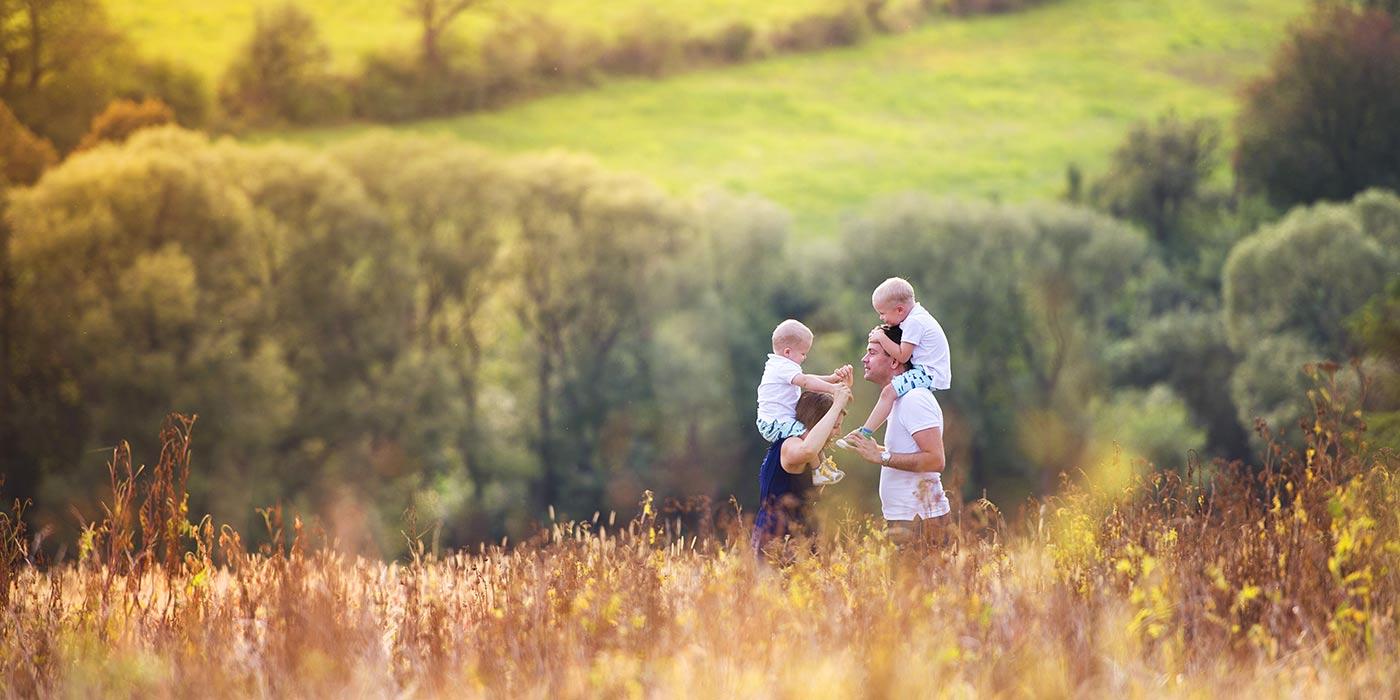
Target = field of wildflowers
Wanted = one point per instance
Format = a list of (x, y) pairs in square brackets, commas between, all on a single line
[(1272, 580)]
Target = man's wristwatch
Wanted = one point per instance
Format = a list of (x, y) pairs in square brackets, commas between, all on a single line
[(885, 458)]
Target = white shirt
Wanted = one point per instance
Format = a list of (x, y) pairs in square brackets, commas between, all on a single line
[(930, 345), (903, 494), (777, 395)]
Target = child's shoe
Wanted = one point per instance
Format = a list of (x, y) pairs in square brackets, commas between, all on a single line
[(841, 442), (826, 473)]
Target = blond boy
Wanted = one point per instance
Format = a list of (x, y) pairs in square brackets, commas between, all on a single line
[(783, 382), (923, 344)]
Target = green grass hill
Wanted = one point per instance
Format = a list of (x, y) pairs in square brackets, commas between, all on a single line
[(992, 107)]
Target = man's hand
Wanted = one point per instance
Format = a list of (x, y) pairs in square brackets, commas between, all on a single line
[(866, 447)]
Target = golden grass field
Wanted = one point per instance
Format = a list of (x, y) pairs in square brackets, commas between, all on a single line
[(1273, 581)]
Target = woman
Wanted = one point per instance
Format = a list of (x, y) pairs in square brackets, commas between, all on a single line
[(786, 475)]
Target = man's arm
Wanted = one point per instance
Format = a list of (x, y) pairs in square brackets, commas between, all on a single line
[(929, 458)]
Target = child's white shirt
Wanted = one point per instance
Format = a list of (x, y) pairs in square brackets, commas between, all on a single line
[(930, 345), (777, 395)]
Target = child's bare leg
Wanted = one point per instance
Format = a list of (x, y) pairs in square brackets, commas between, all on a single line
[(881, 412)]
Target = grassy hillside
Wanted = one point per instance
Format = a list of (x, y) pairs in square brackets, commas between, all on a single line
[(205, 35), (988, 107)]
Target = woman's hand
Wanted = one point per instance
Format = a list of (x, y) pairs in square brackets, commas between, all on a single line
[(842, 396)]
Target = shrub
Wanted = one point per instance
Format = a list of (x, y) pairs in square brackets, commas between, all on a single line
[(822, 31)]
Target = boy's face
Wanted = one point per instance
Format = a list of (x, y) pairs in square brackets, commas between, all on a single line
[(797, 352), (890, 313)]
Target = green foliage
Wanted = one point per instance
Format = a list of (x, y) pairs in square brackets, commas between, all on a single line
[(172, 83), (1288, 290), (1186, 351), (60, 57), (1159, 174), (1320, 126), (1307, 273), (282, 74), (1154, 426), (591, 249)]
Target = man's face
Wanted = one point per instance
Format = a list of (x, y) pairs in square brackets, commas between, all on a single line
[(879, 366)]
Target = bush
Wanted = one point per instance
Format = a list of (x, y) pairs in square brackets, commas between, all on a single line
[(1322, 125), (122, 118), (822, 31)]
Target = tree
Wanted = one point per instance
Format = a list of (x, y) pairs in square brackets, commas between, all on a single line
[(1159, 173), (282, 74), (1288, 290), (590, 250), (448, 205), (133, 297), (1321, 125), (434, 17), (1186, 350), (57, 58), (1307, 273), (23, 158)]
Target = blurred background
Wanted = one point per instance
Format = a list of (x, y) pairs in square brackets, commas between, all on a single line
[(471, 259)]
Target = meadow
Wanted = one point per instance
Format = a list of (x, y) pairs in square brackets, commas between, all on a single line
[(993, 107), (989, 107), (1274, 581), (205, 36)]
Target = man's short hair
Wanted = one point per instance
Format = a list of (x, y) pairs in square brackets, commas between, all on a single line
[(896, 290), (791, 333), (896, 334)]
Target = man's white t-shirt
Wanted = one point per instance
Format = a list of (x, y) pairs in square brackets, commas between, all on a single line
[(777, 395), (903, 494), (930, 346)]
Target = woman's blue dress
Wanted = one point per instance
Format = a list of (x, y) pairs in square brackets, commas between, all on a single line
[(782, 498)]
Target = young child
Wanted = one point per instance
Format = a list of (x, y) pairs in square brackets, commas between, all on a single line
[(783, 382), (924, 344)]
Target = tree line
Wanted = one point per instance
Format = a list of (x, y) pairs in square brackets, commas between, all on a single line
[(480, 337)]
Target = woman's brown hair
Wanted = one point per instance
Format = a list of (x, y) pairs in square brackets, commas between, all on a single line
[(812, 406)]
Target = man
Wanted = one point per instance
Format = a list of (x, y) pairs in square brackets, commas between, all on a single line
[(911, 461)]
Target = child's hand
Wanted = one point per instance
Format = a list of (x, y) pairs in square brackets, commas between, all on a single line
[(845, 375), (876, 334)]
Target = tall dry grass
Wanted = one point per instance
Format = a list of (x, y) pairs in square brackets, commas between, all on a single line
[(1276, 581)]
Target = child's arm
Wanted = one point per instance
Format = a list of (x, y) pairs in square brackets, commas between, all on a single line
[(881, 412), (901, 352), (811, 382), (842, 375)]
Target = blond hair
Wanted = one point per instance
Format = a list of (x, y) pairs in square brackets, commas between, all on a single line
[(790, 333), (896, 290)]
